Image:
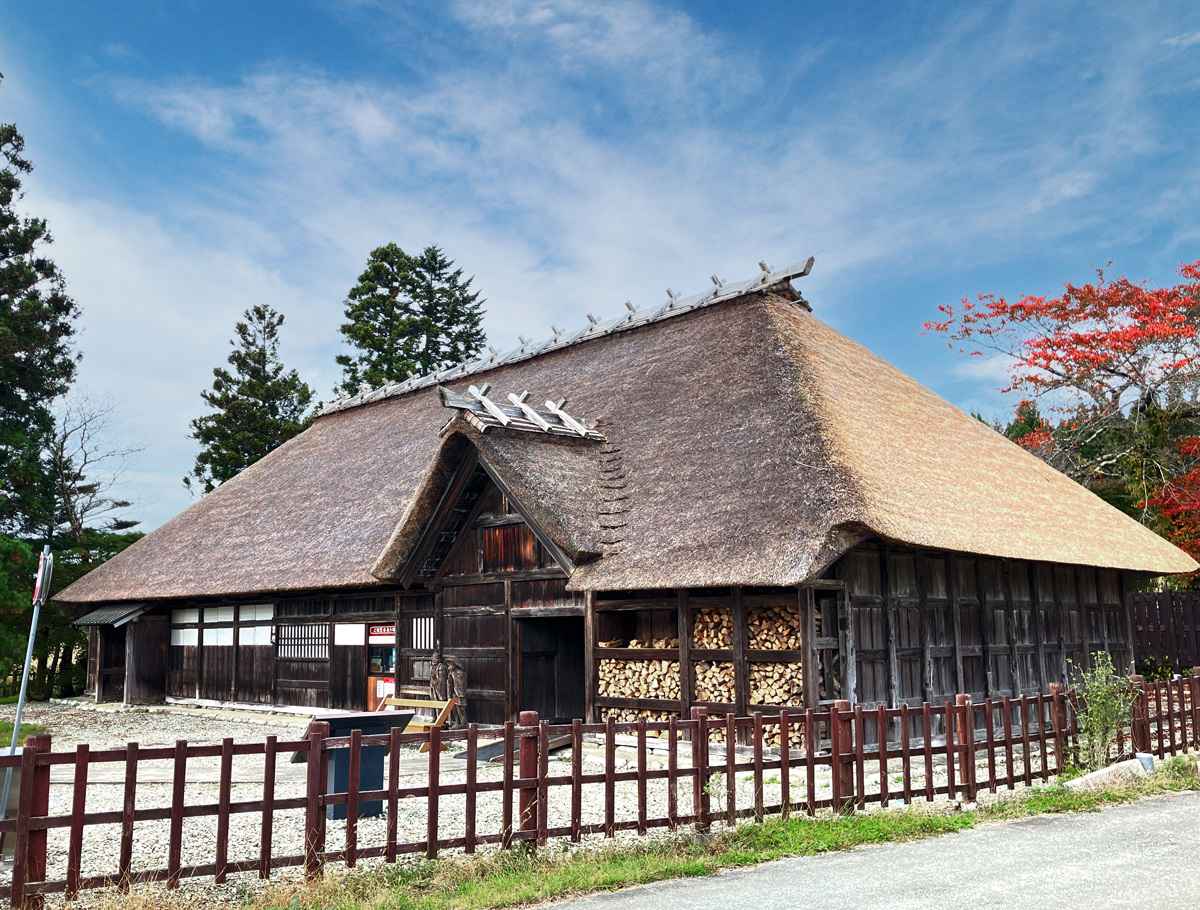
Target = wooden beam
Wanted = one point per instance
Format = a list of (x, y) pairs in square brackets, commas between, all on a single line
[(433, 526), (926, 635), (960, 677), (1056, 591), (589, 656), (684, 627), (1010, 627), (808, 644), (1039, 632), (741, 669), (889, 620)]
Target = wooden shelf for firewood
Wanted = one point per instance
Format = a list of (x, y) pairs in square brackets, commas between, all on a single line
[(637, 653)]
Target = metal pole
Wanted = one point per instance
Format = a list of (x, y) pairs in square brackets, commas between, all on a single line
[(40, 592)]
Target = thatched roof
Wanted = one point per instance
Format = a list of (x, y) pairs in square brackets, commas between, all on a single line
[(745, 442)]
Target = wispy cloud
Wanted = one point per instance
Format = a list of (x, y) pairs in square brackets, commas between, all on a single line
[(1184, 40), (574, 155)]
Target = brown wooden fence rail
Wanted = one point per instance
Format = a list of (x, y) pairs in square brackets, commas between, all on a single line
[(996, 744)]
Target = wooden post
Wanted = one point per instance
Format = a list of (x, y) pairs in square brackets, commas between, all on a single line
[(589, 656), (393, 787), (700, 765), (641, 775), (268, 810), (843, 769), (672, 773), (175, 845), (78, 804), (527, 762), (1139, 726), (506, 803), (223, 799), (965, 721), (354, 783), (35, 865), (1194, 688), (684, 627), (543, 778), (126, 856), (1058, 718), (741, 667), (314, 842), (433, 794), (471, 795), (610, 775)]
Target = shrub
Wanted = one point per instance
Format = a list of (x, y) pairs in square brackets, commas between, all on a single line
[(1107, 698)]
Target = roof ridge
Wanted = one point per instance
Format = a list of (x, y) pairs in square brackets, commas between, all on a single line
[(675, 306)]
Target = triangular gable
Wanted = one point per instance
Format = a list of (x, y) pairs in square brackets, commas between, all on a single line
[(529, 472)]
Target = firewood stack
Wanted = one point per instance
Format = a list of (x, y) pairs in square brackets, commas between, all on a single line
[(714, 681), (631, 715), (795, 733), (639, 679), (712, 629), (775, 628), (774, 684)]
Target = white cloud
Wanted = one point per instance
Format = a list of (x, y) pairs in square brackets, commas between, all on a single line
[(564, 198), (1185, 40)]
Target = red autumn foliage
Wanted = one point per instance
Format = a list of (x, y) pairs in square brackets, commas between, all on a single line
[(1110, 344), (1179, 500)]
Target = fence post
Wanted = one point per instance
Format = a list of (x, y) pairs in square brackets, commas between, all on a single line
[(965, 719), (843, 768), (1194, 689), (700, 765), (1139, 722), (1058, 719), (36, 868), (528, 767), (314, 841)]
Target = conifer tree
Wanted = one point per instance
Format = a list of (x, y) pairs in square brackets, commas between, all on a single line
[(36, 361), (258, 406), (408, 314)]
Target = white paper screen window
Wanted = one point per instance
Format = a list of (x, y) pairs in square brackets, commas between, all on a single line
[(257, 612), (218, 637), (180, 637), (254, 635), (186, 615), (353, 634), (218, 614)]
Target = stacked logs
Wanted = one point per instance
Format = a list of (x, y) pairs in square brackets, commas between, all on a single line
[(776, 684), (775, 628), (631, 715), (714, 681), (795, 732), (712, 629), (639, 679)]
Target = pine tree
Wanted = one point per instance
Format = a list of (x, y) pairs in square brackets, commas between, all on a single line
[(36, 361), (408, 314), (258, 406)]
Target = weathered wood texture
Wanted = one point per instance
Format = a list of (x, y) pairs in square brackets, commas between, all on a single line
[(1166, 627)]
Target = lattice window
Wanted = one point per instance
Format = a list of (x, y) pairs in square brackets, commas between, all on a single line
[(304, 642), (421, 630)]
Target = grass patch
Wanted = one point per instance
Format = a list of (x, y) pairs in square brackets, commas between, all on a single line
[(6, 732), (521, 877)]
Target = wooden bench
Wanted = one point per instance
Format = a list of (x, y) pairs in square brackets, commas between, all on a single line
[(441, 709)]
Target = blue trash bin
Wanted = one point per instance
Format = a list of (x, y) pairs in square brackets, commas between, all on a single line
[(370, 769)]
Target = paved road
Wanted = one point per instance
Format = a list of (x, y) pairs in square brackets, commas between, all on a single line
[(1145, 854)]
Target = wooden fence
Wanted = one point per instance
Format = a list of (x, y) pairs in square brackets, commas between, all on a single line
[(1166, 628), (992, 745)]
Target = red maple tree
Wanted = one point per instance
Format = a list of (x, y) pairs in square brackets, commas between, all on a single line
[(1117, 364)]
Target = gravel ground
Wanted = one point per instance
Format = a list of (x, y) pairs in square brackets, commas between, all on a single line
[(70, 724)]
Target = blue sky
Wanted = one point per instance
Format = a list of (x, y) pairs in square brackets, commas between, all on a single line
[(196, 158)]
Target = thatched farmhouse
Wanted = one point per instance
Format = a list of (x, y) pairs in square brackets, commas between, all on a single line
[(718, 501)]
